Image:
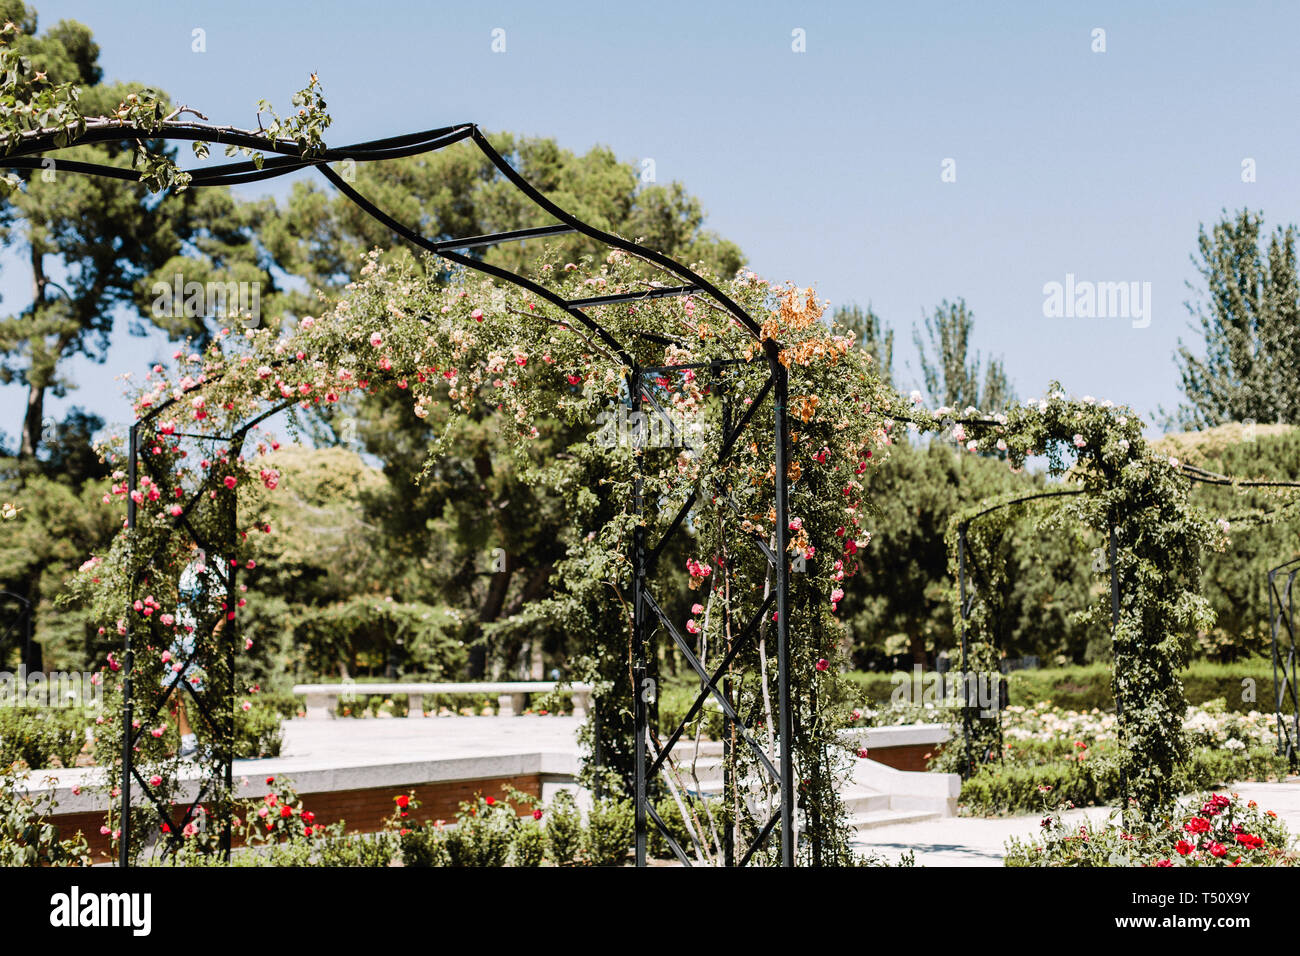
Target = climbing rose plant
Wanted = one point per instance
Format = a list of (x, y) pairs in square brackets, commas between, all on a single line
[(450, 344), (1098, 449)]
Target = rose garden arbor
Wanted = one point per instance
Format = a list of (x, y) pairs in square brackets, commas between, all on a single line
[(203, 528)]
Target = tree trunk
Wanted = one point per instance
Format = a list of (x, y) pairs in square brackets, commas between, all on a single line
[(32, 420), (916, 645), (37, 379)]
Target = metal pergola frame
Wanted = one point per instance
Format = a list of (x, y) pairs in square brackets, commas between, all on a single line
[(1282, 650), (967, 602), (647, 612)]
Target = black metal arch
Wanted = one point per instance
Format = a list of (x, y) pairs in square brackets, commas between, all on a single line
[(966, 603), (30, 154)]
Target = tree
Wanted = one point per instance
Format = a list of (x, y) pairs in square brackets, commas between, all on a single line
[(88, 241), (59, 522), (1248, 318), (456, 193), (872, 335), (950, 375), (904, 587)]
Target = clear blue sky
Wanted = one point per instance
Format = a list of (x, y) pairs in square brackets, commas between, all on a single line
[(823, 165)]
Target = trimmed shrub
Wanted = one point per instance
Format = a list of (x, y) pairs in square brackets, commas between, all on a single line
[(563, 830), (611, 828)]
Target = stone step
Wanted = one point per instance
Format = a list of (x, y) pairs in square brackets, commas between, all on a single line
[(858, 801), (885, 818)]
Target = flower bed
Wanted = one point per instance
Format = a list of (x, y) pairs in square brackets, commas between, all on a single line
[(1213, 829), (1075, 753)]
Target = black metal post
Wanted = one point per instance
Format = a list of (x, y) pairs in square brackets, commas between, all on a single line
[(1289, 673), (640, 715), (1114, 629), (227, 707), (964, 609), (128, 658), (784, 664)]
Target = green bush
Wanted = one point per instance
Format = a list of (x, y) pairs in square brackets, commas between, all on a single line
[(27, 838), (563, 830), (483, 834), (257, 731), (611, 828), (667, 809), (675, 699), (529, 845), (421, 845), (283, 703), (1021, 788), (1210, 768), (357, 850), (40, 735)]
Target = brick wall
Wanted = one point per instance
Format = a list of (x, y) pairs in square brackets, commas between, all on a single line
[(364, 810), (909, 757)]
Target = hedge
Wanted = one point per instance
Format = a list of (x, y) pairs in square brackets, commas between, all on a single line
[(1011, 788), (1088, 686)]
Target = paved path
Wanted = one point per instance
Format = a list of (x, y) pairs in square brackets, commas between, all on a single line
[(309, 744)]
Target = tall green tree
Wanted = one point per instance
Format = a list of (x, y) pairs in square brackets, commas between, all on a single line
[(86, 241), (950, 373), (872, 335), (1248, 367), (456, 192)]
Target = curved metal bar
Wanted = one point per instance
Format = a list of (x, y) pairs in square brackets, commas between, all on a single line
[(610, 239), (478, 265), (44, 141), (1016, 501)]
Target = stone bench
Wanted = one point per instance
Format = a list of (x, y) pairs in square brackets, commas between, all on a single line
[(322, 699)]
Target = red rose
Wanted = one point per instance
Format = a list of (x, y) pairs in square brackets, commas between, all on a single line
[(1218, 849), (403, 801), (1184, 847), (270, 780), (537, 814), (286, 811), (1197, 825), (1249, 841), (308, 817), (491, 801)]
